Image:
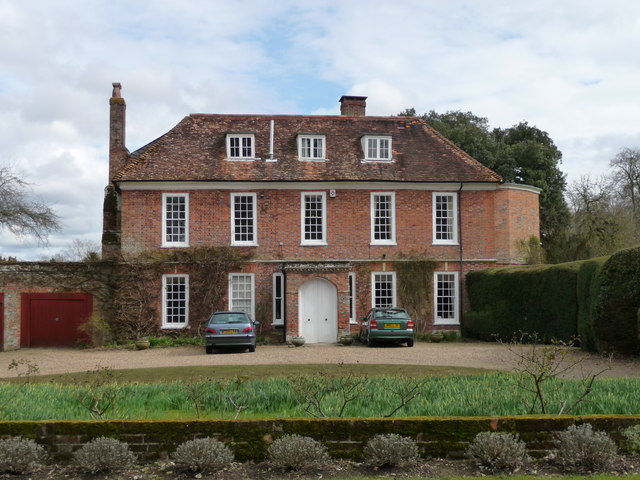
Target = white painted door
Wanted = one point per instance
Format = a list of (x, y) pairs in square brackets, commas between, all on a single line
[(318, 310)]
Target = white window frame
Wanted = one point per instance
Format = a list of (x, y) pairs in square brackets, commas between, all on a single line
[(166, 323), (323, 239), (455, 320), (231, 297), (353, 309), (374, 276), (254, 241), (386, 241), (241, 137), (165, 242), (312, 139), (454, 219), (278, 277), (377, 140)]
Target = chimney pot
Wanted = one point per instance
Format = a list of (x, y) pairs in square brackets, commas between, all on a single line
[(117, 87), (353, 106)]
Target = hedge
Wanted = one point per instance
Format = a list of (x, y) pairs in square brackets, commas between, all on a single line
[(616, 321), (509, 300), (589, 288), (598, 300)]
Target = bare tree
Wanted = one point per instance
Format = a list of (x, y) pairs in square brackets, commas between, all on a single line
[(21, 214), (79, 251), (626, 173), (600, 224)]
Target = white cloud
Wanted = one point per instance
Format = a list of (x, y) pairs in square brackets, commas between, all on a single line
[(567, 67)]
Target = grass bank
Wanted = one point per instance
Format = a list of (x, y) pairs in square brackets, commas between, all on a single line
[(301, 396)]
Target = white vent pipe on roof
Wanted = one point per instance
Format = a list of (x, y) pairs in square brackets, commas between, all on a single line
[(271, 133)]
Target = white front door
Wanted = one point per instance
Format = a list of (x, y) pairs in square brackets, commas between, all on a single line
[(318, 311)]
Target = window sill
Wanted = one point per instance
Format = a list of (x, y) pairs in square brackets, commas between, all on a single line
[(324, 244), (436, 244), (441, 323), (378, 160), (318, 160), (244, 245), (173, 327), (175, 245), (241, 159), (383, 244)]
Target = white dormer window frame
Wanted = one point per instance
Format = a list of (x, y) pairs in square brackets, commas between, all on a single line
[(241, 146), (377, 148), (312, 147)]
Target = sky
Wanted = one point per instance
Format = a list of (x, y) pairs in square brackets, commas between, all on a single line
[(568, 67)]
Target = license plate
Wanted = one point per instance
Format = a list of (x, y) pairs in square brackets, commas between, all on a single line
[(226, 332), (391, 325)]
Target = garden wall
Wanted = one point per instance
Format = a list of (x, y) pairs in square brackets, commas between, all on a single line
[(345, 438)]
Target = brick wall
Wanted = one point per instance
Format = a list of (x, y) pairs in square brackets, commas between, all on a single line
[(492, 223), (443, 437)]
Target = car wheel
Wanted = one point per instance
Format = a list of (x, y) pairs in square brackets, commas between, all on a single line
[(252, 348), (208, 349), (410, 342), (370, 343)]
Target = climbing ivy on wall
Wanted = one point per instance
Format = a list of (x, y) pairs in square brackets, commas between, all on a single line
[(128, 292), (414, 275)]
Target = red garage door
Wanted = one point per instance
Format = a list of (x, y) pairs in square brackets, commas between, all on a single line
[(52, 319)]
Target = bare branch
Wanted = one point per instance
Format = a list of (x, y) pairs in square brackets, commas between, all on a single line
[(21, 215)]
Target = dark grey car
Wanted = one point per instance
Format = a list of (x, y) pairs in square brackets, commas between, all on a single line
[(230, 329)]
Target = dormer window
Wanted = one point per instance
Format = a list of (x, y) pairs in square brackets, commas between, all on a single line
[(311, 147), (240, 146), (376, 148)]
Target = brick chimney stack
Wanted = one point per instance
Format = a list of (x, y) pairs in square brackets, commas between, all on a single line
[(353, 106), (118, 154), (117, 149)]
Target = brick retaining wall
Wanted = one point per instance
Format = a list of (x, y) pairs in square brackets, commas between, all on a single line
[(345, 438)]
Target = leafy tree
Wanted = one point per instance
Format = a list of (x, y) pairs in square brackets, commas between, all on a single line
[(520, 154), (21, 215)]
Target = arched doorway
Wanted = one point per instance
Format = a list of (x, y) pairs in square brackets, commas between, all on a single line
[(318, 311)]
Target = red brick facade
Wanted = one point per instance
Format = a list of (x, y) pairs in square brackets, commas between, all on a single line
[(490, 217)]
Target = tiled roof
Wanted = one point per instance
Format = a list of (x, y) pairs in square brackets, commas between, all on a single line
[(195, 150)]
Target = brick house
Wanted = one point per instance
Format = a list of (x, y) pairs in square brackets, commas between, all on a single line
[(329, 206)]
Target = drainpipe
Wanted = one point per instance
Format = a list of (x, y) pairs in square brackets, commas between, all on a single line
[(284, 299), (460, 281)]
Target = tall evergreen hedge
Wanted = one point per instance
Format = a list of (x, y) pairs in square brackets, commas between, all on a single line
[(616, 321), (597, 299), (589, 296), (506, 301)]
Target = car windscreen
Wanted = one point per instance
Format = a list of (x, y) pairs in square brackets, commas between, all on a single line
[(229, 318), (392, 313)]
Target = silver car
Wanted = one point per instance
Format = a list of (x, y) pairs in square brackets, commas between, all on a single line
[(230, 329)]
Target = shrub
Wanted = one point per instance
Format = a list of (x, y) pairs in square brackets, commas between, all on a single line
[(20, 455), (203, 455), (295, 452), (103, 455), (499, 452), (581, 448), (391, 450), (632, 439)]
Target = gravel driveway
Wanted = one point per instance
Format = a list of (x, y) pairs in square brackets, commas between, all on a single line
[(474, 354)]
